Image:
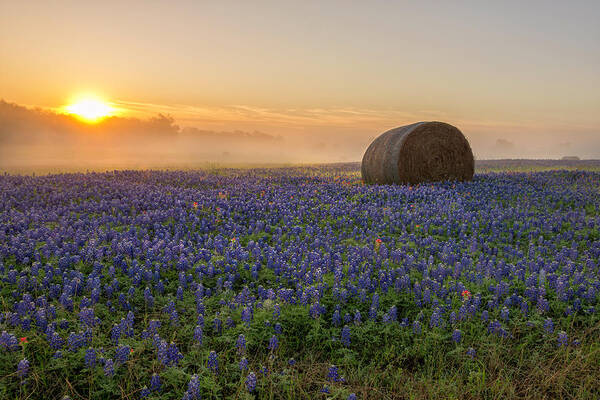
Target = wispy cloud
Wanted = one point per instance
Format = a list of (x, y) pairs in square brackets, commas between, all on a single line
[(342, 117), (286, 117)]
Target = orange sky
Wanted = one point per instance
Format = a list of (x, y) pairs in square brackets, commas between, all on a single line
[(523, 73)]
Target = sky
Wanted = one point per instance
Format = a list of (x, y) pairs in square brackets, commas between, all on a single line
[(520, 79)]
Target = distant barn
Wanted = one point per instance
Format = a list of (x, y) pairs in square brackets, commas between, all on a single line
[(421, 152)]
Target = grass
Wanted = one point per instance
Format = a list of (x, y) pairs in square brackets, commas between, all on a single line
[(382, 361), (388, 363)]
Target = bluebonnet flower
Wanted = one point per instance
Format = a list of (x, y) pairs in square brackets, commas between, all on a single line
[(213, 362), (122, 353), (427, 296), (542, 305), (452, 318), (86, 315), (168, 354), (315, 310), (351, 396), (217, 324), (435, 320), (333, 374), (563, 339), (273, 343), (485, 315), (174, 317), (167, 247), (456, 336), (55, 341), (471, 352), (347, 318), (173, 355), (416, 326), (246, 316), (336, 319), (385, 318), (504, 314), (525, 308), (109, 367), (494, 326), (75, 341), (251, 382), (90, 358), (148, 298), (198, 334), (153, 325), (503, 333), (115, 333), (372, 313), (346, 336), (569, 311), (145, 392), (26, 324), (8, 341), (393, 313), (23, 368), (241, 343), (193, 390), (243, 364), (155, 383)]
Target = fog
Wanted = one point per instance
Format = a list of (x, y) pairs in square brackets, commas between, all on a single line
[(34, 140)]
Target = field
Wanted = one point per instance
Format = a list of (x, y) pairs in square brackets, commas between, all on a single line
[(300, 283)]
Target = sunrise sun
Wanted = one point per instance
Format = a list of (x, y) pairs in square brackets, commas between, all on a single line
[(89, 109)]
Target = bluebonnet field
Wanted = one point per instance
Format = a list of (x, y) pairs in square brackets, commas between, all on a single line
[(298, 283)]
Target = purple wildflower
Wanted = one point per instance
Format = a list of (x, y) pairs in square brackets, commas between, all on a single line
[(273, 343), (251, 382), (346, 336), (213, 362), (155, 383), (109, 367), (456, 336), (90, 358), (563, 339), (23, 368)]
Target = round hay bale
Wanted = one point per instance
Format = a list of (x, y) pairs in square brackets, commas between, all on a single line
[(421, 152)]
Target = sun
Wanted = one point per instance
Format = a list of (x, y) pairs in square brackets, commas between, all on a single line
[(89, 109)]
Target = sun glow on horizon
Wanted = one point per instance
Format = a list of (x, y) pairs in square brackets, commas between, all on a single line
[(89, 109)]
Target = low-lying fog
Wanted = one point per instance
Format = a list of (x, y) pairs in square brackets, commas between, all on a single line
[(34, 139)]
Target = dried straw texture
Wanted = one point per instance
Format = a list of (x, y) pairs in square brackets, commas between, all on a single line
[(421, 152)]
